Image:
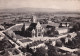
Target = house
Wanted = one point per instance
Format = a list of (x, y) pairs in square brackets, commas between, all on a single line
[(64, 24)]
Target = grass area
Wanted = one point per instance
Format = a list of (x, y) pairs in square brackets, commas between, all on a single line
[(17, 28), (25, 40), (19, 37), (35, 43)]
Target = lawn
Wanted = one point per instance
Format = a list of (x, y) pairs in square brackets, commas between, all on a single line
[(25, 40), (19, 37)]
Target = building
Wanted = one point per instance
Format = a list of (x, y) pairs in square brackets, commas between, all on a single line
[(35, 29), (64, 24)]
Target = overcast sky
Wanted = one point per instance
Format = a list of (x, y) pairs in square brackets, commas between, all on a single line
[(70, 5)]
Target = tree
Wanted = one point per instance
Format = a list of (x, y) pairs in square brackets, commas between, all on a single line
[(52, 51), (41, 52), (75, 28), (5, 44), (52, 32), (58, 43), (11, 34), (23, 30)]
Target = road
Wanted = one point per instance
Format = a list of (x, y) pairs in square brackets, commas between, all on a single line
[(38, 38)]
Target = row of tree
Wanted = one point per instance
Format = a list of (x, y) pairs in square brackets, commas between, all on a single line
[(75, 27)]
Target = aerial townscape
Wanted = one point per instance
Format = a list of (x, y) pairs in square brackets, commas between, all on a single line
[(39, 28), (39, 34)]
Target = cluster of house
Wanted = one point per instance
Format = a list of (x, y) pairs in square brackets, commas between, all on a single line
[(36, 29)]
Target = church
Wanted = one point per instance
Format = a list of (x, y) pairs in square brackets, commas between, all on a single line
[(35, 29)]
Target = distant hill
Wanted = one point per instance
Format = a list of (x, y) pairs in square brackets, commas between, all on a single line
[(47, 10)]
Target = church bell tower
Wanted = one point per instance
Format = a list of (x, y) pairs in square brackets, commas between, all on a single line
[(34, 19)]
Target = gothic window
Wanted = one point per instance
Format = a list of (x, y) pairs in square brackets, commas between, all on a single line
[(39, 30), (39, 34)]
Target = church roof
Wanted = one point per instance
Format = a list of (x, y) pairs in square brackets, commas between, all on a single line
[(32, 26)]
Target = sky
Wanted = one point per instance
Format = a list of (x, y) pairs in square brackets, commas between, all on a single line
[(69, 5)]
